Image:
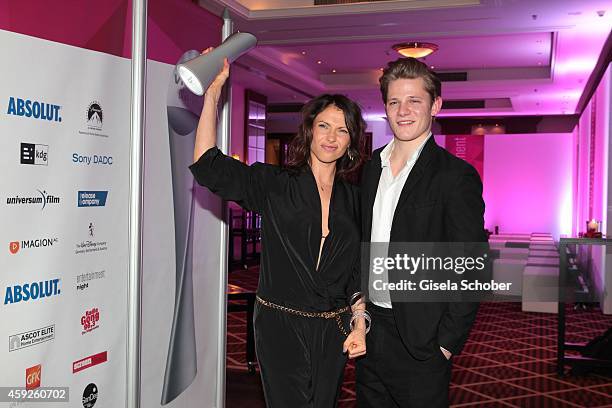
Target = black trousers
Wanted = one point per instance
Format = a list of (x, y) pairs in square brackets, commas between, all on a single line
[(300, 359), (389, 377)]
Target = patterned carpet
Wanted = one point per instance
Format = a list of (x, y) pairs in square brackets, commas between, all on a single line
[(509, 360)]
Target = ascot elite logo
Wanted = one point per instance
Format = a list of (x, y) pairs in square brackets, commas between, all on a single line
[(91, 198), (31, 338), (35, 154), (32, 291), (43, 198), (33, 377), (33, 109), (87, 362), (90, 320), (89, 245), (16, 246), (90, 395)]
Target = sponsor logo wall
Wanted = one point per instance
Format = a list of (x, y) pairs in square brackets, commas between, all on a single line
[(64, 146)]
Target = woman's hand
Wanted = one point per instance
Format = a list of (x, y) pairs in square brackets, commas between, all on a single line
[(355, 343), (206, 134), (215, 87)]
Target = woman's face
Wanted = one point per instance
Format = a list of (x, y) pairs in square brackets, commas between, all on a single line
[(330, 136)]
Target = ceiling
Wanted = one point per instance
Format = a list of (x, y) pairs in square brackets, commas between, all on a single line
[(520, 57)]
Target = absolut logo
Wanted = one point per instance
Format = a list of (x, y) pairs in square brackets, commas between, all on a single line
[(33, 109), (32, 291)]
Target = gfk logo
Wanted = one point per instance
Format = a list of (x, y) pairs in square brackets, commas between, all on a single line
[(33, 377), (14, 247)]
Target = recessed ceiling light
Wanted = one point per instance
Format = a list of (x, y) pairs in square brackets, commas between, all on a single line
[(303, 52), (431, 66), (334, 71), (319, 62)]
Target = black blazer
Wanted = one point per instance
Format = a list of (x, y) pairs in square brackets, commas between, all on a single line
[(440, 202)]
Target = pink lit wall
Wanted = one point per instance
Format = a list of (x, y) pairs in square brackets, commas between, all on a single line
[(592, 139), (174, 26), (594, 198), (237, 127), (528, 183), (100, 26)]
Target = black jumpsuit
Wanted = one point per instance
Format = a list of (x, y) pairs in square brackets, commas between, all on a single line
[(300, 358)]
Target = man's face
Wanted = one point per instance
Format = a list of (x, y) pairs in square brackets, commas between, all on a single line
[(409, 109)]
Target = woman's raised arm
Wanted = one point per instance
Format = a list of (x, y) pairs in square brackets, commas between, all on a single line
[(206, 134)]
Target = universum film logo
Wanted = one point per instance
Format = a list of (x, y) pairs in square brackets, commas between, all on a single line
[(91, 198), (43, 198)]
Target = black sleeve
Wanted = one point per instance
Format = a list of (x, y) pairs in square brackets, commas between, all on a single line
[(354, 285), (231, 179), (464, 220)]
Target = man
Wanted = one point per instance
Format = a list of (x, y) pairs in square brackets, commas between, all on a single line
[(415, 191)]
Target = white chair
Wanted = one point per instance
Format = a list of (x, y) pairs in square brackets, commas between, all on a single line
[(540, 289)]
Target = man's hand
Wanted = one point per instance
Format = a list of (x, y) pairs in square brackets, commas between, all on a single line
[(446, 353)]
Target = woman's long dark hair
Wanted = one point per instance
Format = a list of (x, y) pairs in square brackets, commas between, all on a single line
[(299, 149)]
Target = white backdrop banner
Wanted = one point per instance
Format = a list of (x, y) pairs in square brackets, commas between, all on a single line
[(64, 160)]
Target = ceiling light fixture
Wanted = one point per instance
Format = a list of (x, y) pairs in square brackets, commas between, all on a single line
[(415, 49)]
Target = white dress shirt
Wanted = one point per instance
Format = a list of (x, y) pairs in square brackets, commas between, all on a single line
[(387, 196)]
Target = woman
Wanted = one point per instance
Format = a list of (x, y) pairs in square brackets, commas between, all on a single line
[(310, 247)]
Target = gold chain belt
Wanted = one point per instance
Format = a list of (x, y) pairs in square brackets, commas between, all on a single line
[(332, 314)]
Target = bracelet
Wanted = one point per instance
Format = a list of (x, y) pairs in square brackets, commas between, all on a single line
[(357, 296), (361, 313)]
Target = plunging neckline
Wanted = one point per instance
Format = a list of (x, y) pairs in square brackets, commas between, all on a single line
[(324, 238)]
